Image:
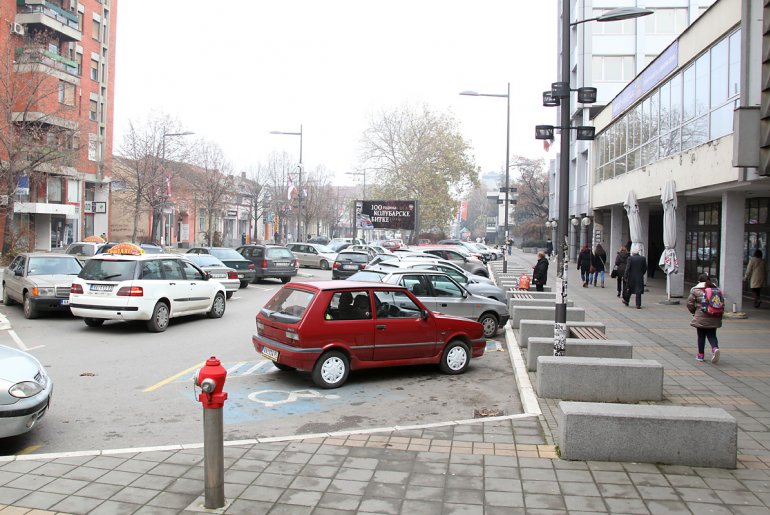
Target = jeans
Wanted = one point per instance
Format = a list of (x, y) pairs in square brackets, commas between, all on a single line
[(711, 334), (596, 276), (620, 284), (585, 275)]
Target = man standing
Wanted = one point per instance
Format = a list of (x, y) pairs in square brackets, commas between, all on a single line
[(636, 268), (540, 272)]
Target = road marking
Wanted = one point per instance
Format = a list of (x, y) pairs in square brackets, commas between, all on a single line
[(255, 367), (20, 344), (30, 449), (175, 376), (4, 323), (292, 396), (235, 367)]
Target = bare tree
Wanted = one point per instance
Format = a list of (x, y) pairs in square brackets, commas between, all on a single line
[(532, 187), (146, 168), (254, 187), (38, 127), (212, 184), (314, 197)]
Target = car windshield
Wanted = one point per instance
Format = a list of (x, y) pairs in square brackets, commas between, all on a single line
[(226, 254), (204, 260), (81, 249), (288, 305), (108, 270), (279, 253), (151, 249), (367, 275), (53, 266), (324, 249)]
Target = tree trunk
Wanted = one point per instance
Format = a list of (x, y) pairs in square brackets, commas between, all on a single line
[(8, 229), (137, 205)]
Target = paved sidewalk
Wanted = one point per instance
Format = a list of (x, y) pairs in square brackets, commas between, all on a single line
[(501, 465)]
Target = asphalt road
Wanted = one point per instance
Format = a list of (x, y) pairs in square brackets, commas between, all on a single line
[(118, 386)]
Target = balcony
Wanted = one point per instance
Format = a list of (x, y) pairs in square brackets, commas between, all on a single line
[(50, 16), (52, 60)]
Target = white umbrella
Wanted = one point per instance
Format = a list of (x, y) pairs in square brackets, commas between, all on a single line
[(668, 261), (634, 222)]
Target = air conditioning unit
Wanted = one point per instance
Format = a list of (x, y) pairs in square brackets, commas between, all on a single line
[(17, 28), (88, 206)]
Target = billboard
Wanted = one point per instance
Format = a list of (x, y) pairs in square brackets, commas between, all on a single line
[(386, 214)]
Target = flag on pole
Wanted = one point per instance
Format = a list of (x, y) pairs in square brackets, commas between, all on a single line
[(292, 189), (547, 144), (168, 185)]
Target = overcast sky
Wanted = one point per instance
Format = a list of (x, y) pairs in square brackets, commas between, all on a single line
[(234, 71)]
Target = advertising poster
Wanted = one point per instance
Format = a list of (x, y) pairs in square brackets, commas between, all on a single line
[(386, 214)]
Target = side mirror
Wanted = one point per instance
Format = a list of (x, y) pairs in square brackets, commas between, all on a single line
[(425, 314), (206, 276)]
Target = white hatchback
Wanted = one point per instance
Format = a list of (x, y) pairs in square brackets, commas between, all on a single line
[(151, 287)]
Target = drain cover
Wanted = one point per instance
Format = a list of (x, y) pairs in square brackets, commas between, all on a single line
[(487, 412)]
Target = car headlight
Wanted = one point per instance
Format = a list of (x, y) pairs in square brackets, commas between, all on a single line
[(25, 389), (42, 292)]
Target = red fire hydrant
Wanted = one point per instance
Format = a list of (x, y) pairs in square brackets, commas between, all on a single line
[(211, 380)]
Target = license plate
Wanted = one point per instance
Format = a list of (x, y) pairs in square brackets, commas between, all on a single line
[(350, 267), (64, 302), (270, 354), (101, 287), (281, 263)]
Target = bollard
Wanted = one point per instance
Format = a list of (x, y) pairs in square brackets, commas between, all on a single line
[(211, 380)]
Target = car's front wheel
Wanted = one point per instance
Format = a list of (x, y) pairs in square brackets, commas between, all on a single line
[(285, 280), (217, 307), (489, 321), (229, 295), (93, 322), (331, 370), (30, 311), (324, 265), (160, 318), (8, 301), (455, 358)]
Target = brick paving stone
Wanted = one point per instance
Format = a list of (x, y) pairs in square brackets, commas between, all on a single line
[(738, 497), (540, 487), (538, 474), (711, 509), (339, 501), (99, 490), (626, 506), (551, 502), (343, 486), (453, 482), (465, 509), (40, 500), (76, 505), (380, 505), (63, 486), (153, 482), (645, 479), (85, 473), (117, 477), (581, 503), (667, 507), (584, 489), (114, 508), (464, 496), (426, 493), (157, 510), (423, 507), (135, 495), (698, 495)]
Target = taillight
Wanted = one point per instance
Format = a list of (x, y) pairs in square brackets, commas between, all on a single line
[(336, 265), (260, 327), (131, 291), (296, 263), (264, 263), (292, 335), (251, 266), (76, 288), (233, 275)]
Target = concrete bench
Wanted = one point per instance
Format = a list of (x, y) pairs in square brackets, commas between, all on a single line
[(676, 435), (520, 295), (599, 379), (548, 312), (515, 302), (599, 348), (543, 295), (587, 333), (514, 286), (534, 328)]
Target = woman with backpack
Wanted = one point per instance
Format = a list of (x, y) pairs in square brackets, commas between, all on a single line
[(706, 320)]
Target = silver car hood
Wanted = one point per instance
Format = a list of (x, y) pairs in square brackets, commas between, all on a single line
[(16, 366), (51, 280)]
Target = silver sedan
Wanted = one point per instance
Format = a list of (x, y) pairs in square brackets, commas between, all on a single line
[(217, 270), (25, 391), (40, 282)]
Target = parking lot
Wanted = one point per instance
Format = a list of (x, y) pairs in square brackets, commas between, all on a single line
[(118, 386)]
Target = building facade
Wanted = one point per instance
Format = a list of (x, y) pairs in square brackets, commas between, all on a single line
[(607, 56), (691, 117), (66, 48)]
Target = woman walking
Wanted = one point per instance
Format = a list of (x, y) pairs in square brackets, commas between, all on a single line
[(584, 265), (620, 267), (540, 272), (598, 260), (756, 275), (704, 323)]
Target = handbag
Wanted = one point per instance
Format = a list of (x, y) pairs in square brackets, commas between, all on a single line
[(592, 269), (614, 273)]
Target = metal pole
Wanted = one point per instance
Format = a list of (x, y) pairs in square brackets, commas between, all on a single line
[(507, 159), (213, 459), (560, 321), (299, 191)]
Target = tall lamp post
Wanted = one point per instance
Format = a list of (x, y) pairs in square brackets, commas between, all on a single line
[(162, 223), (505, 188), (560, 94), (299, 186)]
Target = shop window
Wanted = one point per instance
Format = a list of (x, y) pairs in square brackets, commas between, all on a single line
[(92, 108)]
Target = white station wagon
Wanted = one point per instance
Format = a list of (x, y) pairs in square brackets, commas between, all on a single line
[(154, 287)]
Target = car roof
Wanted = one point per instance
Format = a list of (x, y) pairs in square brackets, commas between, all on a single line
[(340, 285), (48, 255), (346, 251)]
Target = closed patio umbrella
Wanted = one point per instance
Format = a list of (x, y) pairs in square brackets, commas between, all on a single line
[(668, 260), (634, 222)]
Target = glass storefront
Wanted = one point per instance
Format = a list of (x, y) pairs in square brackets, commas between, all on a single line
[(702, 241), (756, 230)]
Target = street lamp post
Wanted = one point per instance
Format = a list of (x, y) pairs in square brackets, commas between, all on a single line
[(165, 195), (623, 13), (299, 186), (362, 173), (507, 188)]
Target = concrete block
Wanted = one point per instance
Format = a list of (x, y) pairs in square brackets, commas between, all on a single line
[(599, 379), (520, 313), (544, 328), (542, 295), (677, 435), (534, 302), (619, 349)]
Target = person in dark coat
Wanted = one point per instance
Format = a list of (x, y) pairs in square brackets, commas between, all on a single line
[(620, 267), (636, 268), (706, 325), (540, 272), (549, 248), (598, 261), (584, 265)]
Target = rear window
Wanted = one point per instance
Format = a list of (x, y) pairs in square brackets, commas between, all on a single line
[(81, 250), (108, 270), (353, 257), (226, 253), (364, 275), (204, 260), (279, 253), (288, 305)]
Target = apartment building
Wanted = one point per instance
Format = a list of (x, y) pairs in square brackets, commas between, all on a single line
[(56, 131), (694, 116), (608, 56)]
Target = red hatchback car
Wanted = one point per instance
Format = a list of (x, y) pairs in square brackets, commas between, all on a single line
[(329, 328)]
